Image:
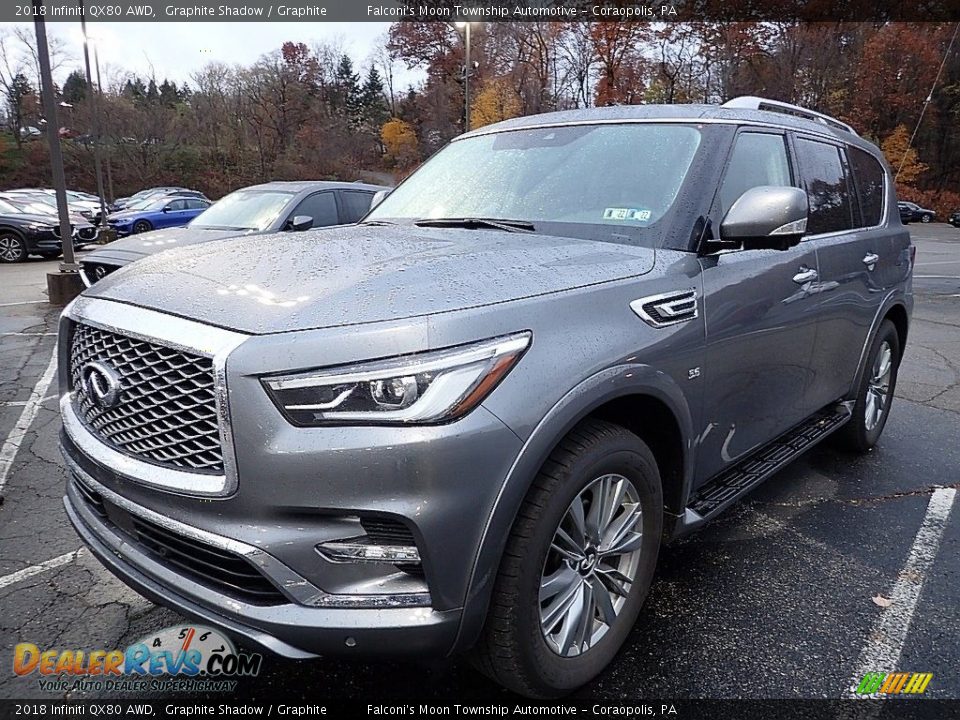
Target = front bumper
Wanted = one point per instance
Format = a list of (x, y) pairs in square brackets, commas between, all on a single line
[(289, 629)]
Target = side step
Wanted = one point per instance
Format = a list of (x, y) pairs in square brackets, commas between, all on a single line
[(730, 485)]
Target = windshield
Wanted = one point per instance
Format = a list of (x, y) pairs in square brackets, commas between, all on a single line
[(624, 175), (8, 208), (244, 210)]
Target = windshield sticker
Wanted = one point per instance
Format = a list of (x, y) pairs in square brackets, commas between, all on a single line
[(626, 214)]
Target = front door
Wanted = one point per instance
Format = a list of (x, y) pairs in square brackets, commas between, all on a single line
[(761, 320)]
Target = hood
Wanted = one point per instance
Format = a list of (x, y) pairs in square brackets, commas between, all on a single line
[(149, 243), (360, 274)]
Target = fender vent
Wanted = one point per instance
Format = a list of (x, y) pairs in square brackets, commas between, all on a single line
[(667, 308)]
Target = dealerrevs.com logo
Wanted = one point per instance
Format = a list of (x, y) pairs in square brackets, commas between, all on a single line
[(181, 657)]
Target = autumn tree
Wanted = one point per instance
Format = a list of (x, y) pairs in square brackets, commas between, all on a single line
[(495, 102), (901, 157), (400, 143)]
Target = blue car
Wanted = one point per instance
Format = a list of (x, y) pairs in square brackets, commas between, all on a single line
[(157, 213)]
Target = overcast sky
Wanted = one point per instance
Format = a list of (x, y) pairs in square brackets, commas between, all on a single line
[(175, 50)]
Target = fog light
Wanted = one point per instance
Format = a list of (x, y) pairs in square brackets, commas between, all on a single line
[(359, 552)]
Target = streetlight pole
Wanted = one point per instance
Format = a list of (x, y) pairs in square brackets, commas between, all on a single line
[(95, 106), (106, 148), (53, 138), (466, 75)]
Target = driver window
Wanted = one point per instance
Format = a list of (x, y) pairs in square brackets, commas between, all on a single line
[(322, 207), (757, 159)]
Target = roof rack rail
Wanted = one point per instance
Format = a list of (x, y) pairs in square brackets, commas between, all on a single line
[(749, 102)]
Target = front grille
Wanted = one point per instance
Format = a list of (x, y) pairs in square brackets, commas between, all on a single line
[(96, 271), (218, 569), (166, 410)]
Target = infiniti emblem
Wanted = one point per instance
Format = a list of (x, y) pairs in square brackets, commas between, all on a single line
[(101, 384)]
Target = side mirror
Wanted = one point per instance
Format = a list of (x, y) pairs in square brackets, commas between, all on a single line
[(378, 198), (166, 208), (766, 217), (301, 222)]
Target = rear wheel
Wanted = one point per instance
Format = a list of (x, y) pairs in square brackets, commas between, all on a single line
[(142, 226), (875, 394), (578, 564), (12, 247)]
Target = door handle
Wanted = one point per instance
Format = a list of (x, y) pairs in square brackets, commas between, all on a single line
[(870, 259), (805, 275)]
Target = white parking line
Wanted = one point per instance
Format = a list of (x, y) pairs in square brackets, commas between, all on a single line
[(939, 277), (21, 403), (11, 445), (881, 653), (25, 302), (21, 575), (28, 334)]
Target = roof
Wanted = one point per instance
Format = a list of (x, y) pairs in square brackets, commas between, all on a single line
[(692, 113), (301, 185)]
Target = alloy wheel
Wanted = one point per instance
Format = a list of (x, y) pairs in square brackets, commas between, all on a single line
[(591, 565), (878, 389), (11, 249)]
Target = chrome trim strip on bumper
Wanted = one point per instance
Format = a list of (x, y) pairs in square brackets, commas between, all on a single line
[(180, 334), (297, 588)]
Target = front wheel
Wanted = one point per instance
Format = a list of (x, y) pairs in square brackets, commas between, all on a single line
[(926, 217), (578, 564), (12, 248), (875, 394), (142, 226)]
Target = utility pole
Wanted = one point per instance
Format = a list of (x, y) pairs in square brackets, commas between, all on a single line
[(106, 148), (95, 106), (66, 284), (466, 75)]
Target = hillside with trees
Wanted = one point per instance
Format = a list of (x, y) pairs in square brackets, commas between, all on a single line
[(314, 112)]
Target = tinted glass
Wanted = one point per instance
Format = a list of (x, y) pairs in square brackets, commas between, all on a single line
[(626, 176), (868, 175), (757, 159), (826, 186), (177, 205), (356, 204), (322, 207)]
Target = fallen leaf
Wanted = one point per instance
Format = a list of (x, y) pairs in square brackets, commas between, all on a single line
[(882, 601)]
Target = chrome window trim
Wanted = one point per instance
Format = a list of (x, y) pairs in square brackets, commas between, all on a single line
[(296, 587), (180, 334)]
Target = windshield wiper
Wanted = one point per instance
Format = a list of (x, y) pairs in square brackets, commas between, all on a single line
[(376, 222), (473, 223)]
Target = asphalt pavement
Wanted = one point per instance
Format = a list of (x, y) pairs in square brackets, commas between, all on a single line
[(775, 599)]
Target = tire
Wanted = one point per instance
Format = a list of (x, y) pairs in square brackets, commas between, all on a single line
[(864, 429), (519, 646), (926, 217), (13, 249), (142, 226)]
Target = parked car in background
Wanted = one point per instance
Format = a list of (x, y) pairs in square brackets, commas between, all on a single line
[(83, 208), (83, 230), (24, 234), (470, 421), (162, 212), (123, 202), (911, 212), (954, 218), (272, 207)]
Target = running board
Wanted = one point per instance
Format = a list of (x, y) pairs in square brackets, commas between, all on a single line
[(735, 482)]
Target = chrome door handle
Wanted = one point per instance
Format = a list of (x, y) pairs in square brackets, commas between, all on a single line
[(805, 275), (870, 259)]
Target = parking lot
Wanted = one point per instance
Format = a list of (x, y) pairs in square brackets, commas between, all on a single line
[(775, 599)]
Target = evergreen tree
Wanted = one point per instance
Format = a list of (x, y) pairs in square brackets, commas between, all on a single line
[(346, 95), (169, 95), (75, 87), (373, 104), (152, 93)]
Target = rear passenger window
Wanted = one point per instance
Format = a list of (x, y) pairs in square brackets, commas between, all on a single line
[(826, 185), (757, 159), (356, 204), (868, 177)]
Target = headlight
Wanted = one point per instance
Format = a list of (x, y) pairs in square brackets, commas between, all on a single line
[(431, 387), (40, 226)]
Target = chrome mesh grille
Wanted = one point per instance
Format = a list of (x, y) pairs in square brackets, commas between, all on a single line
[(167, 410)]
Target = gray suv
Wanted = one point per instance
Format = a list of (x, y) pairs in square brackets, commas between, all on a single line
[(468, 422)]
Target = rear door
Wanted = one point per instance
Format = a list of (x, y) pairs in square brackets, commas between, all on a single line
[(858, 263), (760, 321)]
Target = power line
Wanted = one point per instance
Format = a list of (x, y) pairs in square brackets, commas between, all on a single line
[(926, 102)]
